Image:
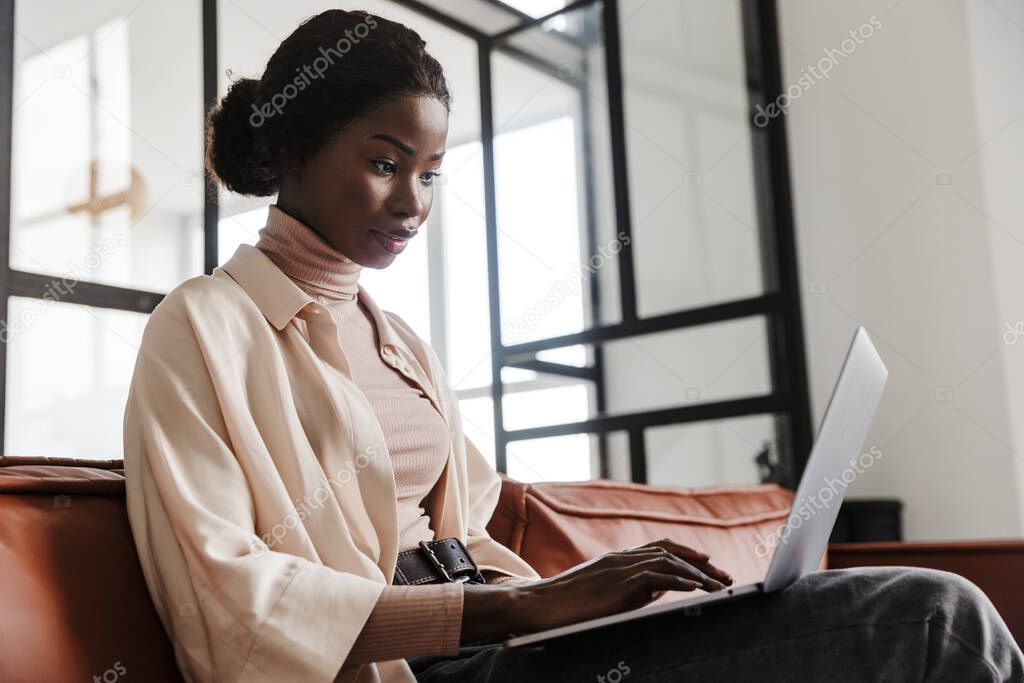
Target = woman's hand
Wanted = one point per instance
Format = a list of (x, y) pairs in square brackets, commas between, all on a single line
[(610, 583), (618, 581)]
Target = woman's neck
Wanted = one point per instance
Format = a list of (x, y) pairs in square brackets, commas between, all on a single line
[(306, 257)]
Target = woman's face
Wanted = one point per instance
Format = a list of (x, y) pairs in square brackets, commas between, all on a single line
[(371, 186)]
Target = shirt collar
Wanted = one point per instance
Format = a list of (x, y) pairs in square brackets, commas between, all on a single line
[(273, 292), (280, 299)]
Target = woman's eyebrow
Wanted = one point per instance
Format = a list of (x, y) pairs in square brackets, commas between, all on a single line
[(409, 151)]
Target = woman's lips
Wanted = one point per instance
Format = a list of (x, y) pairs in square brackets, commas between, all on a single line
[(392, 245)]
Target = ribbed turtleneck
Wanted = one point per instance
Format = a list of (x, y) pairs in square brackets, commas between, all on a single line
[(407, 619), (416, 434), (306, 257)]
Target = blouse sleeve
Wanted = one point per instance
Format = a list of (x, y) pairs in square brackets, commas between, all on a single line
[(417, 620), (236, 610), (409, 621), (496, 577)]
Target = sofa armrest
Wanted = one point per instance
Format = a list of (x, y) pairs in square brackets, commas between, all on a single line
[(992, 565)]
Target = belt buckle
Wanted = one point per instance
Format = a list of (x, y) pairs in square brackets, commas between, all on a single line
[(439, 566), (434, 560)]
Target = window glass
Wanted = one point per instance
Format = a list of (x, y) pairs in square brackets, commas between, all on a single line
[(106, 177), (68, 372)]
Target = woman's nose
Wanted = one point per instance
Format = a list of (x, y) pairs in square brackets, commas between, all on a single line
[(408, 200)]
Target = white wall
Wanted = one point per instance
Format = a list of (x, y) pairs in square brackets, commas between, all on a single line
[(930, 264)]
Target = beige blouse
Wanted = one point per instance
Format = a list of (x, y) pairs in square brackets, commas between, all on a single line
[(407, 620), (260, 491), (415, 433)]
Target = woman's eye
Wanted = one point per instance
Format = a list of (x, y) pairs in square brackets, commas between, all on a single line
[(388, 167)]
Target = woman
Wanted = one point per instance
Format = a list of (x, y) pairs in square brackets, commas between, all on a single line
[(291, 449)]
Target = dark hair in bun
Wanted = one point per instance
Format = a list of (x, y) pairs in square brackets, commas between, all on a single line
[(334, 68)]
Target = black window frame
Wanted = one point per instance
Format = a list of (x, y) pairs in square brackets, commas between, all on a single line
[(788, 401)]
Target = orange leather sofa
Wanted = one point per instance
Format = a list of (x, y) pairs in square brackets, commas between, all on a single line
[(76, 607)]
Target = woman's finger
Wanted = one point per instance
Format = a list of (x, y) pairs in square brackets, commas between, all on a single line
[(695, 557), (669, 563), (686, 552), (651, 581)]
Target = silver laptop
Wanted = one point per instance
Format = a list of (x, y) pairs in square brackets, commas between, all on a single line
[(800, 546)]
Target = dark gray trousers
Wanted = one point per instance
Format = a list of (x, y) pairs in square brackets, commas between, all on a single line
[(871, 624)]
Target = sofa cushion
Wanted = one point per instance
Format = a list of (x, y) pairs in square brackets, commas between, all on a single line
[(75, 604), (556, 525)]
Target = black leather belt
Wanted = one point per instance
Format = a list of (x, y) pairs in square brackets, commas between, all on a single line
[(441, 561)]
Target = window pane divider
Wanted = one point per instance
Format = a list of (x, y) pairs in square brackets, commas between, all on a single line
[(701, 412), (57, 288)]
